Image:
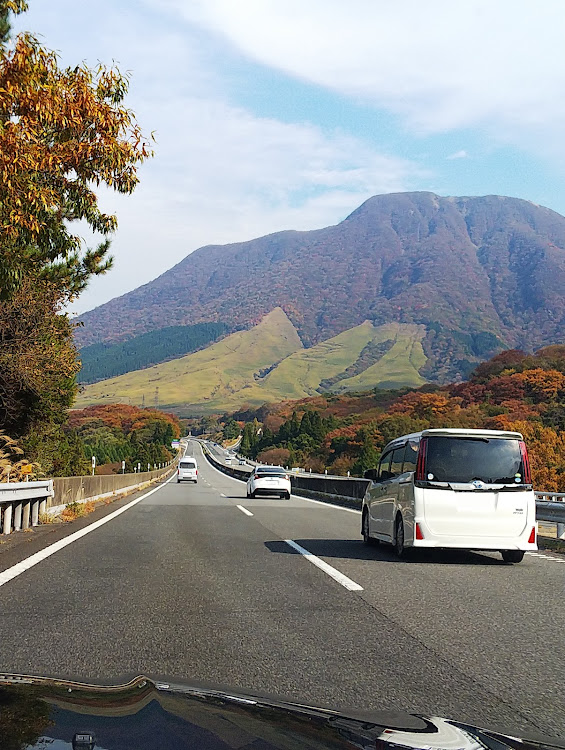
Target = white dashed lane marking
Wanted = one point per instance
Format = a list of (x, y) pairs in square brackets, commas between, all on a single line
[(342, 579), (551, 558)]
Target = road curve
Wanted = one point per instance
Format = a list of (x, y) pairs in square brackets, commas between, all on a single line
[(201, 583)]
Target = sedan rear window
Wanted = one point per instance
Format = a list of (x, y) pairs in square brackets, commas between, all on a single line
[(270, 472), (462, 459)]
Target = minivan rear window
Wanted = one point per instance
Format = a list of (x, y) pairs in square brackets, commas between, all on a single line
[(187, 465), (462, 459)]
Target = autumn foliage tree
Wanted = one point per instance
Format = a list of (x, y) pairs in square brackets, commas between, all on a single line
[(513, 391), (64, 132)]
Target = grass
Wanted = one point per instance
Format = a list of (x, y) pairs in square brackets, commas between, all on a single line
[(227, 375), (208, 378), (76, 510), (300, 374), (396, 368)]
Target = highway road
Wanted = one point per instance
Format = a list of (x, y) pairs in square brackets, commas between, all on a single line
[(200, 583)]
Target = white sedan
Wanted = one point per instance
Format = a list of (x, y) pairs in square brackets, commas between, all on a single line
[(269, 480)]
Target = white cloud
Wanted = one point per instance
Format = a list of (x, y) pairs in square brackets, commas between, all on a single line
[(220, 173), (440, 64), (458, 155)]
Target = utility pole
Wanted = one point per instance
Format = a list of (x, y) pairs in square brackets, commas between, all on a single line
[(157, 397), (143, 401)]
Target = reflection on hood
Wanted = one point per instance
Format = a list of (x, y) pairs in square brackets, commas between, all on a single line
[(59, 715)]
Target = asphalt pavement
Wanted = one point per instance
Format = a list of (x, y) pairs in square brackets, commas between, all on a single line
[(197, 582)]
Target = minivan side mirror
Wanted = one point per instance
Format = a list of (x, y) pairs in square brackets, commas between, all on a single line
[(371, 474)]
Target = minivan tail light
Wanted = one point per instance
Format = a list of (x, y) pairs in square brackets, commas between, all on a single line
[(532, 539), (525, 463), (421, 463), (419, 534)]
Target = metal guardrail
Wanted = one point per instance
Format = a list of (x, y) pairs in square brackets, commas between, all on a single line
[(21, 504), (550, 506)]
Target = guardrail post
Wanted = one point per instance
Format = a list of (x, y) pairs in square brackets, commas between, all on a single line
[(43, 506), (35, 513), (25, 522), (7, 526), (17, 517)]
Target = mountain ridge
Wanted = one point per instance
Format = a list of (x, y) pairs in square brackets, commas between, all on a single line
[(479, 273)]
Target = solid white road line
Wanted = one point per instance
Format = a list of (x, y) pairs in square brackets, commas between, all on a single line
[(327, 505), (244, 510), (335, 574), (38, 557)]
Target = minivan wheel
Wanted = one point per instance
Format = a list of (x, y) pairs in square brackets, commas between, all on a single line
[(512, 555), (399, 547), (365, 530)]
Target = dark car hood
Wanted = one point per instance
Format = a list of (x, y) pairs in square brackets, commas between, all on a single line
[(148, 714)]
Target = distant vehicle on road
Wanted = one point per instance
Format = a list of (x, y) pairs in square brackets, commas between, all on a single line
[(187, 470), (269, 480), (241, 462), (453, 488)]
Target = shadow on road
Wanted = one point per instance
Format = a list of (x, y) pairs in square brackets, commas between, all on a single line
[(350, 549)]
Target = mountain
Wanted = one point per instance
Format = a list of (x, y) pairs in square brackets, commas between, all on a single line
[(267, 364), (479, 274)]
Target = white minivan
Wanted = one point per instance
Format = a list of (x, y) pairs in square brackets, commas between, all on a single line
[(187, 470), (458, 488)]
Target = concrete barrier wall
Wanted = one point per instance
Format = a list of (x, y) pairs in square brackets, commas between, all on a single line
[(341, 491), (79, 489), (346, 487)]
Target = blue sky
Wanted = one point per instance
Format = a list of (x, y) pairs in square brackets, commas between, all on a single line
[(287, 114)]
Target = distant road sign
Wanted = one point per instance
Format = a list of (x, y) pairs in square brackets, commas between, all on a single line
[(175, 444)]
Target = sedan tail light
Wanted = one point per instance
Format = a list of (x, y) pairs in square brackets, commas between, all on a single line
[(256, 476)]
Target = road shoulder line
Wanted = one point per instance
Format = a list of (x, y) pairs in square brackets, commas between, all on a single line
[(29, 562)]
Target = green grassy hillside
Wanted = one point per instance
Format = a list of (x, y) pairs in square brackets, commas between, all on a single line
[(399, 366), (268, 364), (207, 379)]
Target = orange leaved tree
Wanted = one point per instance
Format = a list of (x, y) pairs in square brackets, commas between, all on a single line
[(64, 132)]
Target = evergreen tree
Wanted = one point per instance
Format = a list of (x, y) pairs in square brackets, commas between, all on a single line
[(368, 457)]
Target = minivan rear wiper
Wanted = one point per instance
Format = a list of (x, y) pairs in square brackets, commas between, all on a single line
[(475, 439)]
